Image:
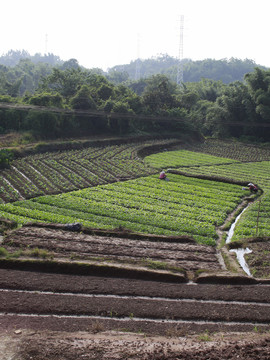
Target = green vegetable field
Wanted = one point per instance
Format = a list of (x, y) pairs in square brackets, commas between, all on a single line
[(112, 187)]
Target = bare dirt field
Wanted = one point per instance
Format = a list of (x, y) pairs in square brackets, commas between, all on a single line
[(180, 254), (125, 296)]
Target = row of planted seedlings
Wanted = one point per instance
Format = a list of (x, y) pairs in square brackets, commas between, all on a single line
[(232, 150), (255, 221), (181, 206), (256, 172), (58, 172), (183, 158)]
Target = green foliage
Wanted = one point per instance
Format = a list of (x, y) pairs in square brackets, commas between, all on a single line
[(226, 70), (185, 206), (83, 99), (6, 98), (3, 252), (65, 82), (47, 99), (158, 94), (179, 158), (44, 124), (204, 100), (40, 253), (121, 107), (105, 91), (6, 156), (259, 84)]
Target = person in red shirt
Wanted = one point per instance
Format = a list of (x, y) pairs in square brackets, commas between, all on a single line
[(163, 176), (252, 187)]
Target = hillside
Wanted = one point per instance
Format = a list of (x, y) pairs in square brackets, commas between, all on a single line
[(19, 68), (225, 70), (100, 259)]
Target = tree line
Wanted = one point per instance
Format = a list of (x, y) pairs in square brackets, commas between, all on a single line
[(238, 109)]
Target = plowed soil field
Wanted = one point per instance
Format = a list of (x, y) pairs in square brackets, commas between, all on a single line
[(126, 298)]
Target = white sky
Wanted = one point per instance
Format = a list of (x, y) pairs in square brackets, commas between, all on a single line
[(104, 33)]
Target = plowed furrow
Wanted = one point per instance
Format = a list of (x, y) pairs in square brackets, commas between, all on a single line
[(119, 307), (94, 284)]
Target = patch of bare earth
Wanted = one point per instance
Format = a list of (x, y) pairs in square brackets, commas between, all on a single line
[(114, 346), (96, 295), (177, 254), (259, 259)]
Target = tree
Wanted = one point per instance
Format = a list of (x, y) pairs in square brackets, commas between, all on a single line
[(83, 99), (158, 94), (66, 82), (117, 77), (44, 124), (215, 118), (259, 86), (6, 156), (105, 91), (47, 99)]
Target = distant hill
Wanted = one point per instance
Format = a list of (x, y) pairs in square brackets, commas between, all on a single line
[(21, 72), (13, 57), (226, 70)]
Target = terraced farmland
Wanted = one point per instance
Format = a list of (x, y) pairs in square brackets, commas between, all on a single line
[(58, 172), (181, 206), (141, 260)]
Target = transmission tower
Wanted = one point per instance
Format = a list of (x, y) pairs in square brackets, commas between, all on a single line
[(180, 76), (138, 61), (46, 44)]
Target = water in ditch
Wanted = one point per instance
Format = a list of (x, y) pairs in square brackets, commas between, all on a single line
[(240, 253)]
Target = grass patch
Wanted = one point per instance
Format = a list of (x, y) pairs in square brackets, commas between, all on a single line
[(159, 265), (205, 336), (39, 253), (3, 252)]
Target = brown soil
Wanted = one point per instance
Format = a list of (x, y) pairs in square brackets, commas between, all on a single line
[(114, 346), (61, 316), (126, 296), (259, 260), (179, 254)]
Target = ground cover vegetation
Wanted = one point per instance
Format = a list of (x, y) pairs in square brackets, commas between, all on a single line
[(181, 206), (62, 171), (254, 168)]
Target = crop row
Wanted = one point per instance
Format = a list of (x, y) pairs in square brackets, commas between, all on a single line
[(158, 207), (58, 172), (256, 172), (232, 150), (255, 221), (183, 158)]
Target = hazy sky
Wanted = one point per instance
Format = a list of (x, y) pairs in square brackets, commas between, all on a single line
[(104, 33)]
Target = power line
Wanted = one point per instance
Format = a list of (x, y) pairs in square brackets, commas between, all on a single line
[(97, 113)]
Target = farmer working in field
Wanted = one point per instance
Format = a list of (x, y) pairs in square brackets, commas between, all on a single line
[(253, 188), (163, 176)]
